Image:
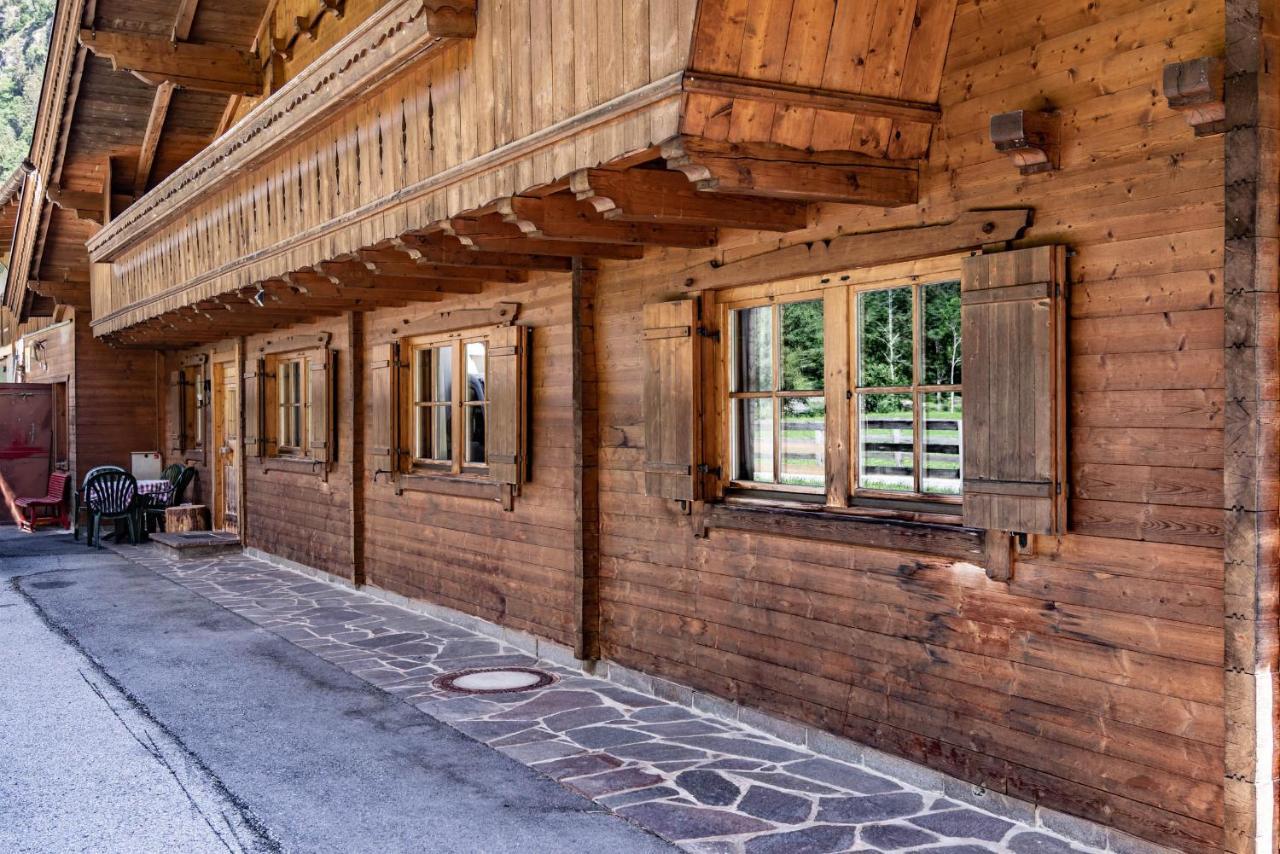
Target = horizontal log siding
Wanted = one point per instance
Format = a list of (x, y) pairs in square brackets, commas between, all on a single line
[(1092, 683), (514, 568), (300, 516)]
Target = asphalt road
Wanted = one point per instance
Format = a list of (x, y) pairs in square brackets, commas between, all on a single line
[(136, 716)]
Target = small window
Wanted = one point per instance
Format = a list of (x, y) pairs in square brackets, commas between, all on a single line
[(777, 404), (448, 404), (909, 401), (291, 405), (193, 400)]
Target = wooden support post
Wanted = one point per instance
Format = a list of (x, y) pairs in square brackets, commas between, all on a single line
[(1251, 431), (353, 401), (586, 450)]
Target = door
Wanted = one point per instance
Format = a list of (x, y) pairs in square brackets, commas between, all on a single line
[(226, 441), (26, 444)]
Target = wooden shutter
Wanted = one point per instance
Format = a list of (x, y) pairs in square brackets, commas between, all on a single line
[(176, 410), (319, 434), (383, 417), (1013, 328), (251, 397), (671, 399), (504, 444)]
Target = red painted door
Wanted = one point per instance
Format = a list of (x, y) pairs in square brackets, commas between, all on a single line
[(26, 443)]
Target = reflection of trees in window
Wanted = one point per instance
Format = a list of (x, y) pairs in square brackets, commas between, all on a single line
[(778, 424), (909, 400)]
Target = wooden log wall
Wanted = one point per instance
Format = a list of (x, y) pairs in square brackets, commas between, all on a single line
[(517, 567), (1093, 682), (111, 394), (302, 513)]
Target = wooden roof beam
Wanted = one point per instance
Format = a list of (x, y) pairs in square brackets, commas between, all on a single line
[(441, 248), (156, 60), (780, 172), (82, 204), (160, 104), (562, 217), (659, 196)]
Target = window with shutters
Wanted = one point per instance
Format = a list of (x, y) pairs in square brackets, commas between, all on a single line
[(447, 402), (448, 407), (926, 391)]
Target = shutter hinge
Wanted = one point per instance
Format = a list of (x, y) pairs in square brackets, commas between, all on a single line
[(704, 332), (703, 468)]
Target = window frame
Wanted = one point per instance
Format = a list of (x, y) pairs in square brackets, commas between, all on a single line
[(846, 287), (777, 395), (916, 390), (276, 365), (191, 408), (410, 421)]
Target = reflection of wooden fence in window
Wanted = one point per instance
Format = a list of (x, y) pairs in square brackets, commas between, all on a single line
[(899, 446)]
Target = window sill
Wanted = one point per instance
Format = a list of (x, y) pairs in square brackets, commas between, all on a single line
[(449, 484), (298, 465), (854, 527)]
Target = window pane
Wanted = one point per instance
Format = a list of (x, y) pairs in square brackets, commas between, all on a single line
[(422, 376), (297, 427), (444, 374), (442, 433), (753, 349), (422, 433), (475, 370), (942, 334), (753, 439), (886, 442), (474, 417), (943, 421), (804, 448), (802, 345), (884, 337)]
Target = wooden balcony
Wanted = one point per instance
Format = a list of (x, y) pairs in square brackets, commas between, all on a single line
[(413, 142)]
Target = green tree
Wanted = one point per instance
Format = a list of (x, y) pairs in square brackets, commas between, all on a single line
[(24, 46)]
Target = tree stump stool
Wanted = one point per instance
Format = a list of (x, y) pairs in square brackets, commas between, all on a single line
[(186, 517)]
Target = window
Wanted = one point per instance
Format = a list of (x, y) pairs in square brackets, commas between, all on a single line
[(448, 403), (291, 406), (777, 410), (908, 389), (901, 348), (193, 392)]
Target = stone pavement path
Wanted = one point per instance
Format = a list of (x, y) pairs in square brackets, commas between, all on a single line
[(707, 784)]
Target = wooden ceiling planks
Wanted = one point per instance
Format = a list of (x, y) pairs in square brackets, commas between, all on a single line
[(889, 49), (143, 131)]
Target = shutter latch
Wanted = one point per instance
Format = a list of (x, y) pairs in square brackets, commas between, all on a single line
[(703, 468), (704, 332)]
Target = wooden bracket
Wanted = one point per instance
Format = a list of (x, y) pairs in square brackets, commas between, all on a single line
[(1194, 88), (1029, 138), (999, 557)]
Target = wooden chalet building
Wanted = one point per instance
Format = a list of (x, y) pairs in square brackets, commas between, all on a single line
[(904, 369)]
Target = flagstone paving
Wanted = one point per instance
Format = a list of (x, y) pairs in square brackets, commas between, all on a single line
[(708, 785)]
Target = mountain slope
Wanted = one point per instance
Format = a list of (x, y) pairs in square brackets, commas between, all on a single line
[(24, 44)]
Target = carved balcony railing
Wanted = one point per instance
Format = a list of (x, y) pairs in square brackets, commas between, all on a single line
[(404, 160)]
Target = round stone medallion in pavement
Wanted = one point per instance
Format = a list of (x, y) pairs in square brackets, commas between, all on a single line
[(494, 680)]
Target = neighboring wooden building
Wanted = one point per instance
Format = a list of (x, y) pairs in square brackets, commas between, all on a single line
[(907, 370)]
